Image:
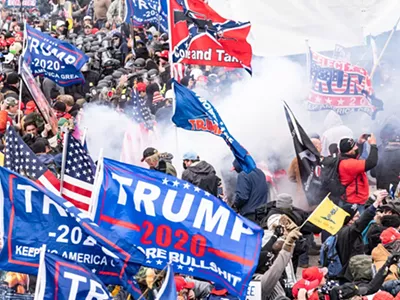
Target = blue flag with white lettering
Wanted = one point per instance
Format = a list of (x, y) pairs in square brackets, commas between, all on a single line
[(175, 221), (63, 279), (197, 114), (55, 59), (144, 12), (33, 216)]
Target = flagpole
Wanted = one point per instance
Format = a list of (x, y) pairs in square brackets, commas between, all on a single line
[(19, 73), (96, 185), (384, 49), (83, 139), (315, 209), (155, 280), (39, 290), (64, 158)]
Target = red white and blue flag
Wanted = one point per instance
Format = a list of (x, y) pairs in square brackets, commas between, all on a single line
[(338, 85), (199, 35)]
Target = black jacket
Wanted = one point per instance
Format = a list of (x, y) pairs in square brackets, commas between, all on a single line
[(251, 190), (202, 174), (387, 170), (350, 243)]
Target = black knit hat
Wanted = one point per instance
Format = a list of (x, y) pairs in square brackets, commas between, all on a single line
[(351, 209), (346, 145), (60, 106), (12, 78)]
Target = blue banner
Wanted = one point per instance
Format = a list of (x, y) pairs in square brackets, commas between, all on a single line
[(52, 58), (64, 280), (197, 114), (33, 216), (147, 11), (173, 220), (168, 288)]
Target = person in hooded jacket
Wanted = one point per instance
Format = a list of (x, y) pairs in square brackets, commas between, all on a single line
[(200, 173), (335, 131), (387, 171), (251, 191)]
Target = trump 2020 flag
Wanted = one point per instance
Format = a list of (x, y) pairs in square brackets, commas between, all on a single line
[(308, 159), (328, 216), (168, 288), (197, 114), (58, 60), (174, 221), (63, 279), (200, 36), (340, 86), (143, 12), (32, 216)]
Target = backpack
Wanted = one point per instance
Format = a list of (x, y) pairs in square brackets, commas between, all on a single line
[(329, 257), (330, 181)]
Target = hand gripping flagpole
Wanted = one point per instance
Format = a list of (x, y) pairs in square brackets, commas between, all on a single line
[(384, 49)]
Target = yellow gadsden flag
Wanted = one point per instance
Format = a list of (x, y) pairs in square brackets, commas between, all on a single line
[(328, 216)]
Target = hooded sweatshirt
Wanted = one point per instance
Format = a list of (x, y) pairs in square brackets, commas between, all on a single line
[(335, 131), (202, 174), (251, 190)]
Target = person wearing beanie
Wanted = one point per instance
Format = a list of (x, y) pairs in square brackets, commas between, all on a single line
[(352, 171), (349, 239), (11, 84), (60, 110)]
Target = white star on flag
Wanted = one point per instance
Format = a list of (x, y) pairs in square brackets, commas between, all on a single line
[(159, 262), (165, 181), (176, 183), (186, 186)]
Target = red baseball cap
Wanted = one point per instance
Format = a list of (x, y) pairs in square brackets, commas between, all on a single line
[(141, 87), (382, 295), (164, 54), (181, 284), (314, 273), (30, 107), (304, 284), (389, 235)]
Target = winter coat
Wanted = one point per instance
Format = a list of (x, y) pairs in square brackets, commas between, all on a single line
[(349, 241), (352, 174), (113, 10), (202, 174), (294, 176), (251, 190), (387, 171), (100, 9), (379, 257), (74, 110), (335, 131)]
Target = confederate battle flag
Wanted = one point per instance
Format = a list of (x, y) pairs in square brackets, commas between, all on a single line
[(200, 36)]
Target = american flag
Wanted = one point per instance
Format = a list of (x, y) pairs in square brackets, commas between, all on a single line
[(79, 175), (141, 112), (21, 159)]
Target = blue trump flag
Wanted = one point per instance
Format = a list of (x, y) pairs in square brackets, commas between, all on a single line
[(63, 279), (197, 114), (174, 221), (54, 59), (168, 288), (33, 216), (146, 11)]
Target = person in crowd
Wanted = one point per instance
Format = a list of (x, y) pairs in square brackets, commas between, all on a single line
[(60, 110), (349, 238), (307, 287), (387, 171), (71, 107), (11, 86), (334, 132), (251, 191), (159, 161), (200, 173), (11, 106), (116, 12), (352, 171), (100, 12)]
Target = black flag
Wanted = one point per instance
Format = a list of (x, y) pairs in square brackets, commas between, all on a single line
[(308, 159)]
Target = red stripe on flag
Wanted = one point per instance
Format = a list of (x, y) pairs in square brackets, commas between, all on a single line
[(233, 257), (124, 224), (76, 189), (77, 203)]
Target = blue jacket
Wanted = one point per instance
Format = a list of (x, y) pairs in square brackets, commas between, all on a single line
[(251, 190)]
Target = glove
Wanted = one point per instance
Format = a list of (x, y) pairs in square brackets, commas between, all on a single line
[(393, 259), (279, 231), (291, 238)]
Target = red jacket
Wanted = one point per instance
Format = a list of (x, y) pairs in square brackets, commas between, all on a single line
[(352, 174)]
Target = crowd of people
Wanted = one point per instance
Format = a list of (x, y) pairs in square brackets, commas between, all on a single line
[(128, 70)]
